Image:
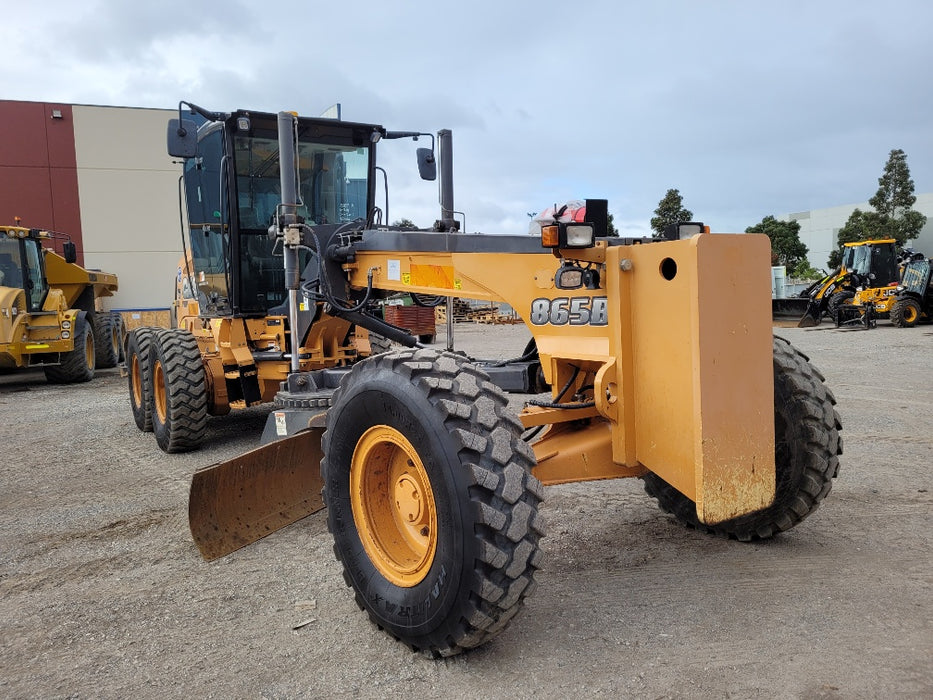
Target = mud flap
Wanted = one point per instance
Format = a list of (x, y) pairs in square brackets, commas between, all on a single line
[(235, 503)]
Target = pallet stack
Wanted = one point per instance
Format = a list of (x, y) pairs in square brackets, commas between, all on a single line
[(464, 313)]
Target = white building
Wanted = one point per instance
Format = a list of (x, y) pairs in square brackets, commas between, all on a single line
[(819, 229)]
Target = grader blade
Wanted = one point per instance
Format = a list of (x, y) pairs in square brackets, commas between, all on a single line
[(235, 503)]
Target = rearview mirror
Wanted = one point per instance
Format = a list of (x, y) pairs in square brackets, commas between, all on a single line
[(427, 164), (182, 138), (70, 252)]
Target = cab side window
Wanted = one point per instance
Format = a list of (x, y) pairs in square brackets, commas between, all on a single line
[(35, 284)]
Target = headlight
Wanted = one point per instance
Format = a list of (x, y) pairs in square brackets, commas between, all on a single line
[(568, 235), (65, 335), (66, 324), (684, 229), (579, 235)]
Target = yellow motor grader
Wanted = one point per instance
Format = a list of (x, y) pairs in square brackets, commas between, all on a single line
[(432, 483), (48, 313)]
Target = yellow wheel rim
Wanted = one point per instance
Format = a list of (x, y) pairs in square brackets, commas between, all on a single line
[(137, 377), (393, 506), (910, 313), (158, 390), (89, 351)]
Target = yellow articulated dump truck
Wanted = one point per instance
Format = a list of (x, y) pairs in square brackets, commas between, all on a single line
[(637, 367), (48, 315)]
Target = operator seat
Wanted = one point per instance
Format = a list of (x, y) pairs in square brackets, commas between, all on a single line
[(10, 274)]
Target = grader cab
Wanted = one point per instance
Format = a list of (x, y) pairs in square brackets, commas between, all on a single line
[(432, 483)]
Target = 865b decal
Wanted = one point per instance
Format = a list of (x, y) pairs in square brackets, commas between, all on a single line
[(573, 311)]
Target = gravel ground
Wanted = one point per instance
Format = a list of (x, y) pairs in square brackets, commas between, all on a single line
[(103, 594)]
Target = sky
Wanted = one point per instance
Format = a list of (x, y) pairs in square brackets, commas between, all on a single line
[(747, 108)]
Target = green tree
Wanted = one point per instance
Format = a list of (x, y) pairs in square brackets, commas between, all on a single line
[(786, 247), (893, 215), (670, 210), (894, 200), (804, 271), (404, 223)]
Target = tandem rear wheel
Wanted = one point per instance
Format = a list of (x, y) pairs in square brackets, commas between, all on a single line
[(167, 389), (178, 389), (431, 501), (108, 339)]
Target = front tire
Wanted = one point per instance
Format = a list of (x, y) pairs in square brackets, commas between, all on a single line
[(431, 501), (179, 391), (77, 365), (807, 449)]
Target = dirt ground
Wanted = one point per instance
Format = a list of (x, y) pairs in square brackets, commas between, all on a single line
[(103, 594)]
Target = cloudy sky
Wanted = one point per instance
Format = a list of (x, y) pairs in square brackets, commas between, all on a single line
[(748, 108)]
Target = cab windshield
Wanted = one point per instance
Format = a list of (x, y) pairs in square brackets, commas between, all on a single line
[(10, 266), (332, 181), (29, 277), (332, 189), (858, 259)]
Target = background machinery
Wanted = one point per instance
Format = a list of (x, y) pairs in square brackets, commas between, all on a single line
[(913, 300), (869, 264), (432, 482), (48, 315)]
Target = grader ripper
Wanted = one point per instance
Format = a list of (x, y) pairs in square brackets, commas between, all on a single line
[(432, 484)]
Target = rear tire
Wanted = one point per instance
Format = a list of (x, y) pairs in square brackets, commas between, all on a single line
[(107, 339), (905, 313), (431, 500), (77, 365), (807, 449), (179, 391), (138, 370)]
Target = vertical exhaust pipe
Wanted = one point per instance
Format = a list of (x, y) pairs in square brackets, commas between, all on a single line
[(288, 212), (446, 156)]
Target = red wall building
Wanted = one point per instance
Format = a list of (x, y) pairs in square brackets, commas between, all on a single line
[(38, 170)]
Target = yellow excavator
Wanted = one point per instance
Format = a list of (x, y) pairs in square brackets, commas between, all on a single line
[(432, 483)]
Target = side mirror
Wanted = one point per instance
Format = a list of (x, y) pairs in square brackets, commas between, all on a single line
[(427, 164), (70, 252), (182, 138)]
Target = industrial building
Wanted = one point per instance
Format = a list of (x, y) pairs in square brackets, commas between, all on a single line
[(819, 228), (102, 176)]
